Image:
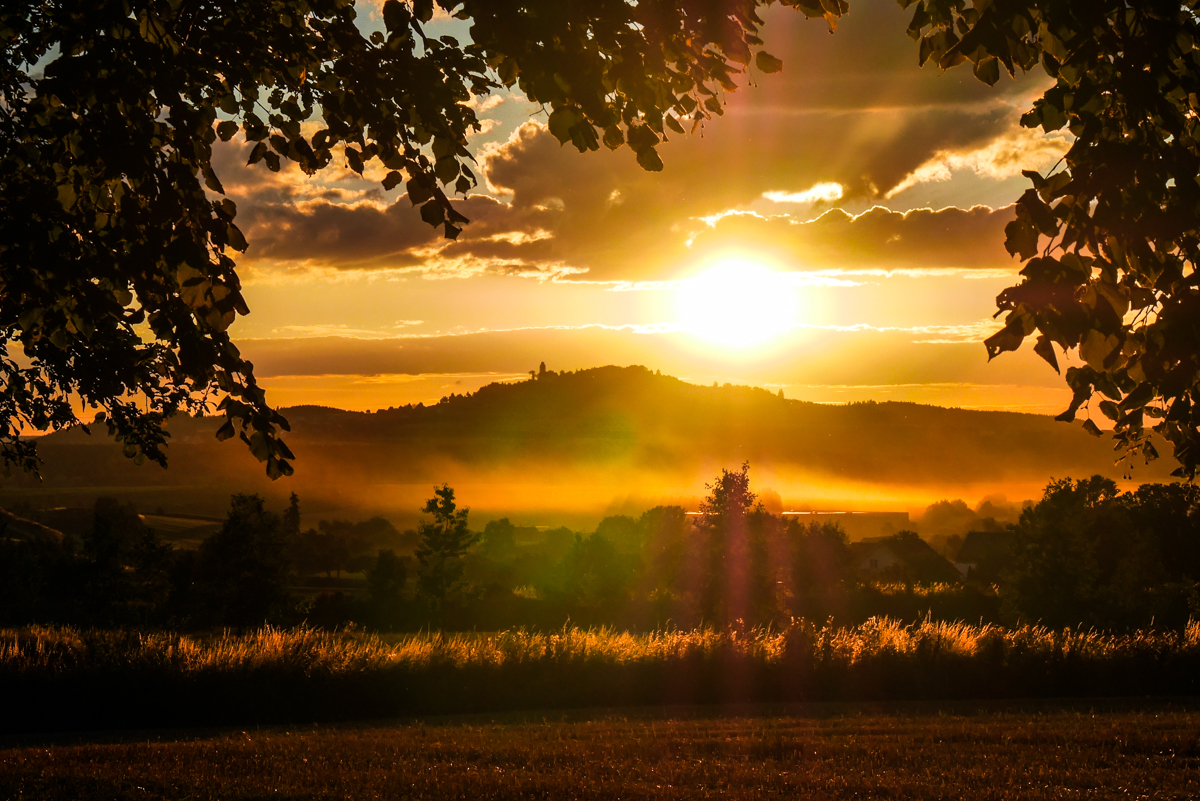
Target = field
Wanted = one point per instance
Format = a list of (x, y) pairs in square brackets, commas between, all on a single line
[(182, 531), (61, 679), (1051, 751)]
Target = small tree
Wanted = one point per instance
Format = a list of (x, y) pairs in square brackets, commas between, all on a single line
[(444, 541), (726, 551), (243, 571), (124, 573), (291, 517), (597, 574), (385, 587)]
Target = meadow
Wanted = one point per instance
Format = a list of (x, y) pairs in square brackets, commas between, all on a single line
[(59, 678), (997, 751)]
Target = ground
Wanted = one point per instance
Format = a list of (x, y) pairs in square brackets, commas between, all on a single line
[(1033, 751)]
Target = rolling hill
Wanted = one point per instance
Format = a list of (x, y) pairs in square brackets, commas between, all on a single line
[(594, 441)]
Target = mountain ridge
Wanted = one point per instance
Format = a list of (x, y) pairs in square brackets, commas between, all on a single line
[(608, 432)]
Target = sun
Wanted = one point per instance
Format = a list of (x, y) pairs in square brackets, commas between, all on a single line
[(738, 303)]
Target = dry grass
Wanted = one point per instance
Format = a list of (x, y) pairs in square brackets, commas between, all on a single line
[(63, 678), (39, 650), (1051, 753)]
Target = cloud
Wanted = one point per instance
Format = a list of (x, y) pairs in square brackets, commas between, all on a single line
[(850, 355), (850, 120), (565, 215), (1003, 157), (877, 239), (826, 192)]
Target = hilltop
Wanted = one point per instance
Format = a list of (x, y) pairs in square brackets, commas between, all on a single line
[(595, 435)]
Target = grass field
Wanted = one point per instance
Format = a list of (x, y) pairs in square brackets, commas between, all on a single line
[(1049, 751), (58, 679), (183, 531)]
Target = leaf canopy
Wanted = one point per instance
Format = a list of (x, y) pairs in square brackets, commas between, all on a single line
[(118, 281), (1110, 237)]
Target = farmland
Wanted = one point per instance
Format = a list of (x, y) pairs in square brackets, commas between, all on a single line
[(1052, 750)]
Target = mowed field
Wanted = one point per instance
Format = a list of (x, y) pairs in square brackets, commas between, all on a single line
[(1044, 751)]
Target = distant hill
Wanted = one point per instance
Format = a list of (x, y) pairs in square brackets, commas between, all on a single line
[(595, 439)]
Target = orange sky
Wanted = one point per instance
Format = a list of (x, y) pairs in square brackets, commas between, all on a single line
[(877, 190)]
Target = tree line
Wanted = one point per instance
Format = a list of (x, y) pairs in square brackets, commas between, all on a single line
[(1085, 554)]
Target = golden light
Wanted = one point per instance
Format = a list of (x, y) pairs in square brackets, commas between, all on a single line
[(738, 303)]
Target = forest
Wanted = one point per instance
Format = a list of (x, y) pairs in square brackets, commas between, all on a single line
[(1085, 555)]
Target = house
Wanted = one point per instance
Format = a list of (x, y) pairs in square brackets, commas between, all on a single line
[(902, 557), (874, 555), (985, 555)]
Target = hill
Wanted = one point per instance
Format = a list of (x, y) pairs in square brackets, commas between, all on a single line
[(594, 441)]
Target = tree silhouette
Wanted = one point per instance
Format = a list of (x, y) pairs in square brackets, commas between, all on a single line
[(444, 541), (385, 584), (118, 276), (724, 546), (1110, 240), (243, 571)]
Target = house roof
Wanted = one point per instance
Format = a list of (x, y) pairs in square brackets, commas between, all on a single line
[(982, 545), (915, 553)]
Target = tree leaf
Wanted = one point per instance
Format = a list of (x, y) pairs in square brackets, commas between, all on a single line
[(433, 213), (767, 63), (226, 130), (649, 160), (1021, 239), (988, 70), (392, 180), (1045, 349), (419, 190), (562, 120)]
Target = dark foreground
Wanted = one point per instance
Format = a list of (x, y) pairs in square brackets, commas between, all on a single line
[(1119, 750)]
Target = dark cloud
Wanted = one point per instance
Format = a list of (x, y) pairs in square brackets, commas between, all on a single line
[(851, 108), (878, 238), (349, 235)]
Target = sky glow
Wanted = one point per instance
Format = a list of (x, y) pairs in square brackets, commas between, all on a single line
[(853, 191)]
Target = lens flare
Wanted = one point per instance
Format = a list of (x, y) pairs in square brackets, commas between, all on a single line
[(738, 303)]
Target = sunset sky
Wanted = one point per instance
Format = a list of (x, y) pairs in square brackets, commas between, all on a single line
[(837, 234)]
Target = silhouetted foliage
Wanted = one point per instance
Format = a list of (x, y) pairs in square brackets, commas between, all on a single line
[(597, 576), (385, 589), (444, 541), (1087, 554), (498, 541), (123, 575), (242, 573), (1109, 236), (113, 216), (822, 571), (35, 576), (724, 547)]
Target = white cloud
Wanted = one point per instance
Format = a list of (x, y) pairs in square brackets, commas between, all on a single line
[(1004, 157), (826, 192)]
